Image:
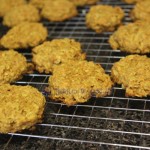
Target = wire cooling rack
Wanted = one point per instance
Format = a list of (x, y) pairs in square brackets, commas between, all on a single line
[(114, 122)]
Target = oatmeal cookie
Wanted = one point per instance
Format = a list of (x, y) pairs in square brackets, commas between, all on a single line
[(133, 72), (104, 18), (12, 66), (37, 3), (21, 107), (19, 14), (24, 35), (83, 2), (76, 81), (132, 38), (6, 5), (55, 52), (59, 10), (141, 11)]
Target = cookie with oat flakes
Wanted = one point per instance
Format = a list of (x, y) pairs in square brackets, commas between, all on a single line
[(77, 81), (24, 35), (59, 10), (19, 14), (132, 38), (103, 18), (133, 73), (21, 107), (56, 52), (12, 66)]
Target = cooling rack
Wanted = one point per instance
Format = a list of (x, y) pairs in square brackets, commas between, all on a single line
[(114, 122)]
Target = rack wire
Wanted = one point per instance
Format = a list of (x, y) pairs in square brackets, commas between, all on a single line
[(114, 122)]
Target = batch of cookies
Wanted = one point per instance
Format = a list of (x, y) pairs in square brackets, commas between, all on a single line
[(74, 79)]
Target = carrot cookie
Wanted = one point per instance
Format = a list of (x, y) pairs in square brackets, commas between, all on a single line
[(141, 11), (76, 81), (132, 38), (21, 107), (19, 14), (12, 66), (83, 2), (55, 52), (104, 18), (37, 3), (24, 35), (59, 10), (133, 72), (6, 5)]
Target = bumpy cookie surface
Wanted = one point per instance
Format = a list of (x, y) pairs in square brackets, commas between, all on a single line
[(59, 10), (76, 81), (131, 1), (12, 66), (83, 2), (6, 5), (132, 38), (37, 3), (133, 72), (55, 52), (104, 18), (24, 35), (19, 14), (21, 107), (141, 10)]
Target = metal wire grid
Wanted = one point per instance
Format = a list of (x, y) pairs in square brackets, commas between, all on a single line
[(113, 122)]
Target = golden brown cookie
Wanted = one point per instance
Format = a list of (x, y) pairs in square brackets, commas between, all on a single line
[(6, 5), (37, 3), (21, 107), (24, 35), (19, 14), (131, 1), (59, 10), (83, 2), (133, 72), (76, 81), (141, 11), (104, 18), (12, 66), (55, 52), (132, 38)]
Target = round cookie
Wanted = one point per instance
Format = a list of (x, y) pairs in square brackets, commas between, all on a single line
[(76, 81), (83, 2), (19, 14), (6, 5), (141, 11), (37, 3), (131, 1), (104, 18), (132, 38), (12, 66), (24, 35), (21, 107), (59, 10), (133, 72), (55, 52)]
